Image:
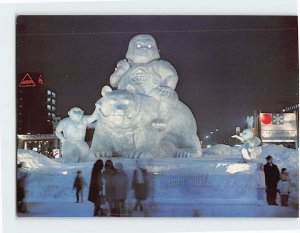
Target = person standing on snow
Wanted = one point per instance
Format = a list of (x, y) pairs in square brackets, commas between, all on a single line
[(120, 187), (96, 189), (109, 172), (283, 187), (21, 180), (79, 182), (260, 183), (272, 177), (139, 185)]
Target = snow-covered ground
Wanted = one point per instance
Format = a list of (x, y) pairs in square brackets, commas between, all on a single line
[(219, 184)]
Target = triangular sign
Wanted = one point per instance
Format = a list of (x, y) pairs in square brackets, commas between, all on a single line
[(40, 80), (27, 81)]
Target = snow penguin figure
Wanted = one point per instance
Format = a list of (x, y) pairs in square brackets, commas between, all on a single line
[(251, 149)]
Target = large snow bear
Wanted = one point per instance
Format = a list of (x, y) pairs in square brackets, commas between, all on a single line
[(126, 127)]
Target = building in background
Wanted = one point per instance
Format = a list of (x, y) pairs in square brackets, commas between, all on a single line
[(36, 107)]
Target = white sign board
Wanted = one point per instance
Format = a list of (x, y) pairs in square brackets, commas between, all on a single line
[(278, 126)]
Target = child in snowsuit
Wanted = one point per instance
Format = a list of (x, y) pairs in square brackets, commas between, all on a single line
[(78, 185), (283, 187)]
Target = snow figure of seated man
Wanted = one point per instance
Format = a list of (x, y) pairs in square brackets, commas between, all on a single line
[(71, 132), (148, 75), (251, 149)]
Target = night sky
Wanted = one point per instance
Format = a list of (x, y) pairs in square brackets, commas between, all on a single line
[(228, 66)]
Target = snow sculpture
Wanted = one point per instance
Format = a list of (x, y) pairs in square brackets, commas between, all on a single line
[(125, 127), (250, 121), (71, 132), (147, 75), (144, 116), (251, 149)]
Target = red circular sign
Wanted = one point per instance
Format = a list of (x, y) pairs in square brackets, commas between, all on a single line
[(266, 118)]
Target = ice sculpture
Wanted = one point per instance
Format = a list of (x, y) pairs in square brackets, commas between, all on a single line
[(71, 132), (251, 149), (144, 117), (125, 127), (250, 121), (147, 75)]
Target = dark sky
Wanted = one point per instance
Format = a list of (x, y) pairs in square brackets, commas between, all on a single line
[(228, 66)]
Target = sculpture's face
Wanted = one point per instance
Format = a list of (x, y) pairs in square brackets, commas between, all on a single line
[(247, 134), (117, 108), (76, 114), (142, 49)]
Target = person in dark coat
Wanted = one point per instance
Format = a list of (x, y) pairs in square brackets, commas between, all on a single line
[(108, 174), (120, 187), (272, 177), (21, 180), (139, 185), (79, 182), (95, 189)]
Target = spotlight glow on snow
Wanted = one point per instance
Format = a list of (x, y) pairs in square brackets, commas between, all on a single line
[(65, 173), (234, 168)]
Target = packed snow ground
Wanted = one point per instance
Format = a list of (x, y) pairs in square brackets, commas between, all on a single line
[(85, 209), (224, 185)]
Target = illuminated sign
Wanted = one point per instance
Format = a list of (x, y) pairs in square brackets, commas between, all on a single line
[(278, 126), (27, 81), (40, 80)]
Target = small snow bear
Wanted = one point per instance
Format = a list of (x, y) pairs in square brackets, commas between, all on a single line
[(251, 149)]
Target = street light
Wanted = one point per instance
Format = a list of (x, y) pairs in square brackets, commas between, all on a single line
[(209, 137)]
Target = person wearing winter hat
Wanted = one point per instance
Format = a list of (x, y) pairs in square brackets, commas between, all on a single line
[(284, 174), (272, 177), (120, 187), (283, 187), (260, 183)]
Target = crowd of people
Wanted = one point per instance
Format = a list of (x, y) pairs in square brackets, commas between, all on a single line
[(270, 181), (111, 186)]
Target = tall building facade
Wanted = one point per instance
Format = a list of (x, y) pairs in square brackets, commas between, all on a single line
[(36, 105)]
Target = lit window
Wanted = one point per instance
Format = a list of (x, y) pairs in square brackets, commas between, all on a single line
[(53, 94), (49, 92), (48, 107), (48, 99), (53, 101), (53, 108)]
